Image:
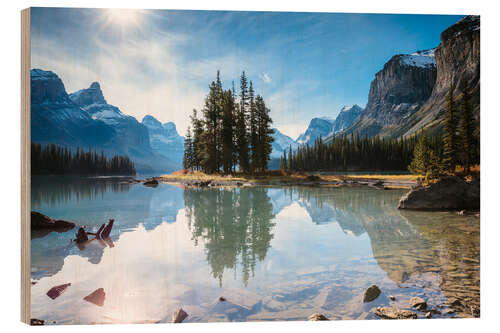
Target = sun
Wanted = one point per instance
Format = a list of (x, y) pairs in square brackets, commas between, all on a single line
[(123, 18)]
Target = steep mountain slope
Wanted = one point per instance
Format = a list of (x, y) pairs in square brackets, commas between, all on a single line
[(164, 139), (281, 143), (346, 117), (458, 61), (84, 119), (317, 127), (397, 92), (56, 119), (132, 138)]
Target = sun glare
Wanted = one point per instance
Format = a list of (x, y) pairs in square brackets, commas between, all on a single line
[(123, 18)]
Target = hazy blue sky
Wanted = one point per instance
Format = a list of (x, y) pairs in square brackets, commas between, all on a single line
[(161, 62)]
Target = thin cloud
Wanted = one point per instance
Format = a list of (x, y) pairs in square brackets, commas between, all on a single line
[(265, 77)]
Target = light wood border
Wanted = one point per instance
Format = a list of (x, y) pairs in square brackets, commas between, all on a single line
[(25, 166)]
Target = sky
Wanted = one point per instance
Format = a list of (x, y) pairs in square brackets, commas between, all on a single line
[(161, 62)]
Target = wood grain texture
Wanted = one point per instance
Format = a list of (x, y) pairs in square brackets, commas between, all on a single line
[(25, 166)]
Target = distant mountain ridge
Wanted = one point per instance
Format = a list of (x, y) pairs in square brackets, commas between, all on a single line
[(164, 139), (409, 93), (84, 119), (327, 127)]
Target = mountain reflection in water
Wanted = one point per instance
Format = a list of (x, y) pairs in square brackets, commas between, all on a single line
[(273, 253)]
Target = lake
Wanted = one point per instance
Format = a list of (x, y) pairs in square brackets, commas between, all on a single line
[(273, 253)]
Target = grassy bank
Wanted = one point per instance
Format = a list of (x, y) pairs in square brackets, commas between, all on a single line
[(276, 176)]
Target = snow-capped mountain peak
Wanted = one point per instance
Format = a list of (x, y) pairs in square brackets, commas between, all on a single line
[(423, 59)]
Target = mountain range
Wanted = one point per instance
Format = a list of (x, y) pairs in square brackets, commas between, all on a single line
[(409, 93), (85, 119), (406, 95)]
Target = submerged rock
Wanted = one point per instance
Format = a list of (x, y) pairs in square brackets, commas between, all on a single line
[(317, 317), (179, 316), (451, 193), (418, 303), (371, 293), (386, 312), (97, 297), (56, 291), (43, 222), (151, 182), (37, 322)]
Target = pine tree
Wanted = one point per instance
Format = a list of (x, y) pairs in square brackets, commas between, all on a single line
[(228, 126), (253, 135), (263, 139), (466, 131), (197, 140), (450, 138), (241, 126), (188, 151)]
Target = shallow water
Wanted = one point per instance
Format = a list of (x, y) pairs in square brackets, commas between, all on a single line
[(272, 253)]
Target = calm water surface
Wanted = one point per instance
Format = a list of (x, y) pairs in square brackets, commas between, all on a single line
[(273, 253)]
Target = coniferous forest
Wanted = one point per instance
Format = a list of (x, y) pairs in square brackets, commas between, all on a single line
[(458, 144), (56, 160), (352, 153), (232, 133)]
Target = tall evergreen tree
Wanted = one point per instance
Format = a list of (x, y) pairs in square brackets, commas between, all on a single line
[(253, 135), (228, 127), (450, 133), (424, 160), (466, 130), (263, 135), (241, 126), (187, 161)]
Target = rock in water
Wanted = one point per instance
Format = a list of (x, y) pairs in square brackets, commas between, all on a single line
[(97, 297), (180, 315), (56, 291), (418, 303), (43, 222), (317, 317), (451, 193), (151, 182), (37, 322), (371, 293), (386, 312)]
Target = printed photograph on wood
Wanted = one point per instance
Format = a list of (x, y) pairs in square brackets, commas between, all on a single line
[(207, 166)]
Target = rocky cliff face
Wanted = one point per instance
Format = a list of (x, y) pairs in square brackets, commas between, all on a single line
[(398, 91), (132, 138), (317, 127), (56, 119), (84, 119), (281, 143), (165, 140), (458, 62), (346, 117)]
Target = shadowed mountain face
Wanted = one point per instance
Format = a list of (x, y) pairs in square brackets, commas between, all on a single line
[(458, 62), (84, 119), (409, 93), (56, 119), (165, 140), (397, 92)]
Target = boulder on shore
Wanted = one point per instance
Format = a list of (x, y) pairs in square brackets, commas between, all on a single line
[(43, 222), (371, 293), (386, 312), (317, 317), (151, 182), (418, 303), (451, 193)]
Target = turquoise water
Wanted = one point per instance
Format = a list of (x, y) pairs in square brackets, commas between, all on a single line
[(274, 253)]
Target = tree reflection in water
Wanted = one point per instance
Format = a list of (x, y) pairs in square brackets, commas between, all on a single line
[(235, 226)]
